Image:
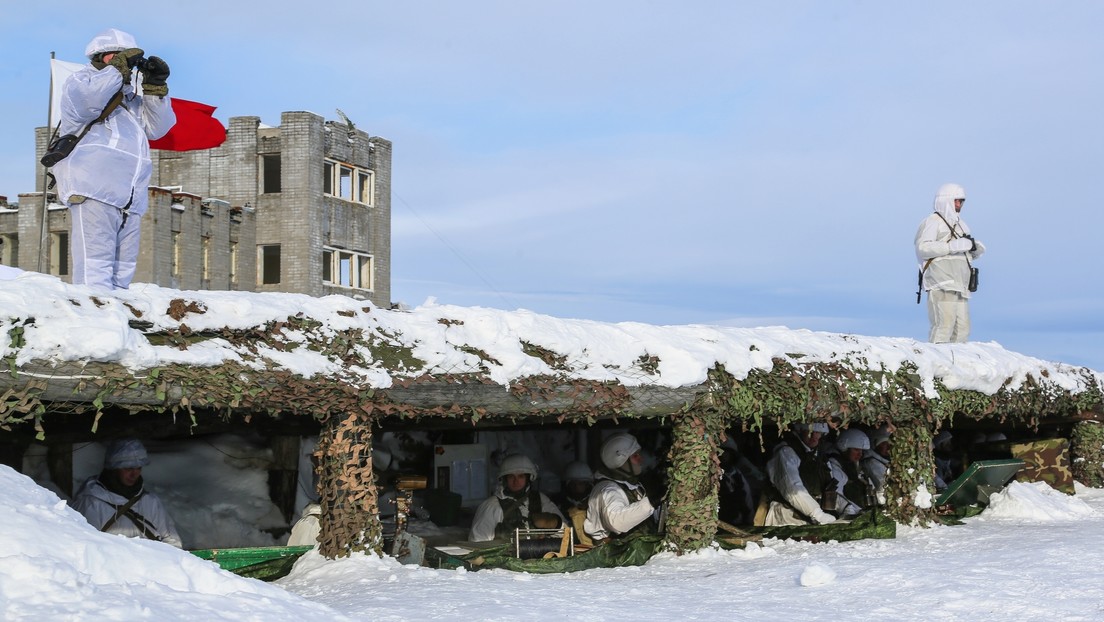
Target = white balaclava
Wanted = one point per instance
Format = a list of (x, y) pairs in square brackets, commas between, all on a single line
[(944, 201)]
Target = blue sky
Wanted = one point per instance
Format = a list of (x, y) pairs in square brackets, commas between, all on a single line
[(737, 163)]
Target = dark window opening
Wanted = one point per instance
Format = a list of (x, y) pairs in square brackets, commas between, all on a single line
[(270, 264), (271, 179)]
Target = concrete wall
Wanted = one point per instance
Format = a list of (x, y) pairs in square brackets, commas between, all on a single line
[(178, 229)]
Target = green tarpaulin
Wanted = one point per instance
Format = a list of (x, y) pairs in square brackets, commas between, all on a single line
[(266, 563)]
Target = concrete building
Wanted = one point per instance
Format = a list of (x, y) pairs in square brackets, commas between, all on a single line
[(187, 242), (304, 207)]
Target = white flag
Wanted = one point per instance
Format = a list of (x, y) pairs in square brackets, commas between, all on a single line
[(59, 71)]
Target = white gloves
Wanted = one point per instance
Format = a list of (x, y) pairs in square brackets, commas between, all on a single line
[(960, 245)]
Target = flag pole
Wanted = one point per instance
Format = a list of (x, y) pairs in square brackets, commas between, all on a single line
[(43, 228)]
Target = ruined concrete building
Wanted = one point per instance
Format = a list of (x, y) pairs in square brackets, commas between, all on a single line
[(304, 207)]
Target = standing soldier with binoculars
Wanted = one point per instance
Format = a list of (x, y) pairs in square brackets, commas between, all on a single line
[(102, 160)]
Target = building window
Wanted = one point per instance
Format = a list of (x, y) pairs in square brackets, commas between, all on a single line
[(348, 182), (270, 173), (174, 270), (346, 268), (59, 253), (269, 264), (234, 263), (9, 246), (366, 187)]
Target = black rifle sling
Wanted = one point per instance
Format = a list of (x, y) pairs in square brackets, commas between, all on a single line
[(143, 524), (121, 510)]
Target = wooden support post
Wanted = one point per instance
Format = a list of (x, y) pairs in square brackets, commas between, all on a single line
[(59, 461), (283, 477)]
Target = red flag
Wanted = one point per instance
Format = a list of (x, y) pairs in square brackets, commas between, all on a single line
[(195, 128)]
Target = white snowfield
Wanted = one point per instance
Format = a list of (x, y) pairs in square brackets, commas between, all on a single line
[(1032, 555)]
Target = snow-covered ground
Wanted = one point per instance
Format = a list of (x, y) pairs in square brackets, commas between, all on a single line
[(1033, 555)]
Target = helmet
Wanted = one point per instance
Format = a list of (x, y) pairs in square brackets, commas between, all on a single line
[(879, 436), (578, 471), (853, 439), (125, 453), (943, 439), (802, 428), (110, 40), (518, 463), (381, 459), (617, 449)]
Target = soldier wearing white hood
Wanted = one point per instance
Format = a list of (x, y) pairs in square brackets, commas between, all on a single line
[(104, 181), (946, 251), (116, 501)]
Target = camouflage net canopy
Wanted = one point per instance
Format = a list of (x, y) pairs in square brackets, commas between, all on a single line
[(466, 387)]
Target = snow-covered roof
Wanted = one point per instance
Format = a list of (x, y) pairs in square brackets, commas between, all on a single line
[(55, 322)]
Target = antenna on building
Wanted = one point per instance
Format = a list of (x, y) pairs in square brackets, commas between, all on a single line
[(351, 131)]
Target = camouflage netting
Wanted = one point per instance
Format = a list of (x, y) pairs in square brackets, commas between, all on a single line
[(1087, 449), (350, 511), (843, 395), (912, 469), (843, 392), (694, 478)]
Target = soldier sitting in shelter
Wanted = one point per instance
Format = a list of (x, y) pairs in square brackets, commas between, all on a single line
[(516, 503), (578, 481), (876, 462), (854, 483), (800, 478), (619, 503), (116, 501)]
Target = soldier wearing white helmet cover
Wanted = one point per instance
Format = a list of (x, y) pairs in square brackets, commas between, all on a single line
[(876, 462), (618, 503), (578, 480), (946, 251), (799, 476), (104, 179), (515, 504), (854, 483)]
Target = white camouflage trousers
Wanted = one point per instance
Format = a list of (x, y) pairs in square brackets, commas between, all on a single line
[(104, 250), (949, 315)]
